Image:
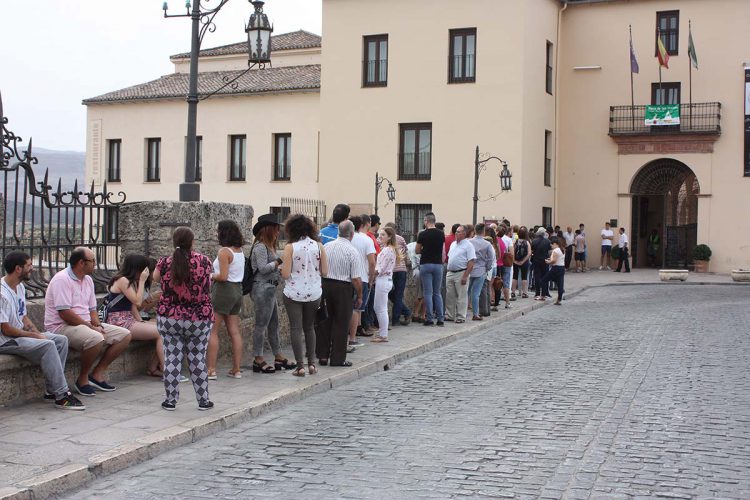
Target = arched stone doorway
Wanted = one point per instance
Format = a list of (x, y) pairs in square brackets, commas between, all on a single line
[(665, 201)]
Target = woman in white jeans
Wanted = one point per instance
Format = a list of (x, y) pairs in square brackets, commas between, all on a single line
[(384, 282)]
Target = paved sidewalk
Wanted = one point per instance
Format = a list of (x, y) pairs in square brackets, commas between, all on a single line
[(44, 451)]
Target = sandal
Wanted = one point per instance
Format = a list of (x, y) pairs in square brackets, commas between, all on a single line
[(237, 374), (263, 367), (212, 375), (311, 369), (524, 296), (284, 364), (379, 339), (299, 371), (155, 373)]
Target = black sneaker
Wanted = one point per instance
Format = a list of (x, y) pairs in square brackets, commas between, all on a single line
[(440, 323), (101, 385), (69, 402), (428, 323), (49, 398), (166, 405), (85, 390), (205, 405)]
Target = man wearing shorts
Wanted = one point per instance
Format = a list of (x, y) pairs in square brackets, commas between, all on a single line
[(70, 310), (366, 249), (607, 236)]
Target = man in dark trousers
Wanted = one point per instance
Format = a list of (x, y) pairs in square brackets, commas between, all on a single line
[(540, 249)]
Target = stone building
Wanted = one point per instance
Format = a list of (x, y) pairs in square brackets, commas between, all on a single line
[(409, 89)]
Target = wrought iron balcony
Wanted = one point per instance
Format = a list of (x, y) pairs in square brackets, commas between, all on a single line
[(696, 118)]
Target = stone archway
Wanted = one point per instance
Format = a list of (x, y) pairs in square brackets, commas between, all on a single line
[(665, 200)]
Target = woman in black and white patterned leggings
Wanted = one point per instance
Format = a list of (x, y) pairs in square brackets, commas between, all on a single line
[(184, 316)]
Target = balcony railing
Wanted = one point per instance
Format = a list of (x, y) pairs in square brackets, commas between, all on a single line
[(696, 118)]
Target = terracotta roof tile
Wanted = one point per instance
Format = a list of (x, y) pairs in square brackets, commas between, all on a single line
[(287, 41), (257, 81)]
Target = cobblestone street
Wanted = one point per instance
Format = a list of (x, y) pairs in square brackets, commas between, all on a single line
[(622, 391)]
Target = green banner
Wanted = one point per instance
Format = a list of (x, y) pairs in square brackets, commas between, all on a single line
[(662, 114)]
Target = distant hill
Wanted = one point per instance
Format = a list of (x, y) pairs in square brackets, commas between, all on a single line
[(67, 166)]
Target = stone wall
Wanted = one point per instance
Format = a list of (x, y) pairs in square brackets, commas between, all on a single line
[(147, 227)]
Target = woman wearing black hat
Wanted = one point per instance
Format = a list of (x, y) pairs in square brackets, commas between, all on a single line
[(266, 264)]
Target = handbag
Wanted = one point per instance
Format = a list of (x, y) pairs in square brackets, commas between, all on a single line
[(103, 311), (507, 259), (497, 283), (322, 313)]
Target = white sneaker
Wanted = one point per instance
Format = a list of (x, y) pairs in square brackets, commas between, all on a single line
[(183, 379), (601, 267), (609, 268)]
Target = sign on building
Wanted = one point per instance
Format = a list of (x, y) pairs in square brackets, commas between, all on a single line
[(662, 114)]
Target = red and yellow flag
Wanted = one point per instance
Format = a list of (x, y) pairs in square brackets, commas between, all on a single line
[(661, 53)]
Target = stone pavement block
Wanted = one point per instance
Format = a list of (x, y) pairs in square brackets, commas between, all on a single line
[(56, 481)]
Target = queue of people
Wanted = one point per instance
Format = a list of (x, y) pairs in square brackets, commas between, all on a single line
[(337, 285)]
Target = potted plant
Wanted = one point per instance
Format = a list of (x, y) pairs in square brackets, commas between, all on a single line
[(701, 256)]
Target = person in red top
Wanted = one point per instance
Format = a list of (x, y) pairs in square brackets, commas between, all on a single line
[(373, 226)]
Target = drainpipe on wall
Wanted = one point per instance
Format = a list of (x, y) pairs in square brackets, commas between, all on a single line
[(556, 204)]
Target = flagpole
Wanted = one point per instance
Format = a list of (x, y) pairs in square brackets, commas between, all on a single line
[(658, 35), (690, 76), (632, 97)]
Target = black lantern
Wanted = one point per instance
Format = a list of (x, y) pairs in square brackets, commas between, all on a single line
[(505, 178), (258, 31), (391, 192)]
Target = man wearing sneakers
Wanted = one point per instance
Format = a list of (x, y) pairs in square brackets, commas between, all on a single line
[(19, 336), (607, 235), (70, 310)]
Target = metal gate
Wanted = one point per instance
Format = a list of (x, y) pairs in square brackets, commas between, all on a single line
[(48, 223)]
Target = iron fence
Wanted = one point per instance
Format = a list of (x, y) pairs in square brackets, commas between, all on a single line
[(315, 209), (48, 223), (696, 118)]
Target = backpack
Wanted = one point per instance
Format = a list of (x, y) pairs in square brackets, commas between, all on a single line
[(103, 311), (522, 249), (248, 277)]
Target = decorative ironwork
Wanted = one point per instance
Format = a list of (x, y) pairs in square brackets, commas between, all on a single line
[(696, 118), (480, 164), (49, 222), (315, 209)]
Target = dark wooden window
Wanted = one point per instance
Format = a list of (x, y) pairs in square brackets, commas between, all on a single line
[(237, 157), (111, 223), (546, 216), (153, 159), (549, 82), (547, 159), (409, 219), (462, 64), (666, 93), (668, 27), (375, 61), (113, 160), (282, 163), (415, 151)]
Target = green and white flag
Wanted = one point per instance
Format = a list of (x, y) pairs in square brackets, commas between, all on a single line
[(691, 49), (662, 114)]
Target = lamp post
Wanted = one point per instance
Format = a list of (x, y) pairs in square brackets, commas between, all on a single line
[(390, 190), (505, 178), (258, 32)]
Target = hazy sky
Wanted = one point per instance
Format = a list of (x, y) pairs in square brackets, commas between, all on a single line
[(58, 52)]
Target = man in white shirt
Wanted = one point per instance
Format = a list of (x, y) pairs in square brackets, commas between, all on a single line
[(607, 236), (461, 257), (366, 249), (622, 243), (569, 246), (19, 336)]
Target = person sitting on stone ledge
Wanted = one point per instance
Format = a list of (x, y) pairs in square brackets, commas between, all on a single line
[(19, 336), (127, 290), (70, 310)]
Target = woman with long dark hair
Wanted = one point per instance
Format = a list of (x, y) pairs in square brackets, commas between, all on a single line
[(126, 292), (303, 265), (226, 295), (266, 264), (184, 316), (521, 255)]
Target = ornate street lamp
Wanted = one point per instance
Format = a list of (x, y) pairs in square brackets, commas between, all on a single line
[(258, 32), (505, 179), (390, 191)]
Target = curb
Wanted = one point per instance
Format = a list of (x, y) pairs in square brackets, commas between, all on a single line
[(76, 475)]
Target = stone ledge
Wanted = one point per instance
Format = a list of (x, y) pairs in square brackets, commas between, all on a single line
[(673, 274)]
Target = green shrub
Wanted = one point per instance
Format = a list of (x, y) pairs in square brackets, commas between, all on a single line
[(701, 252)]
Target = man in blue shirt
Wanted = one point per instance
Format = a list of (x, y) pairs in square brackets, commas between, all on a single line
[(331, 231)]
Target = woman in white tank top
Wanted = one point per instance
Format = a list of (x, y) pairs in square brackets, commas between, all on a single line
[(303, 264), (226, 296)]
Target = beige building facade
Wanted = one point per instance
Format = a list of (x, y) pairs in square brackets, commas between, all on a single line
[(408, 89)]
